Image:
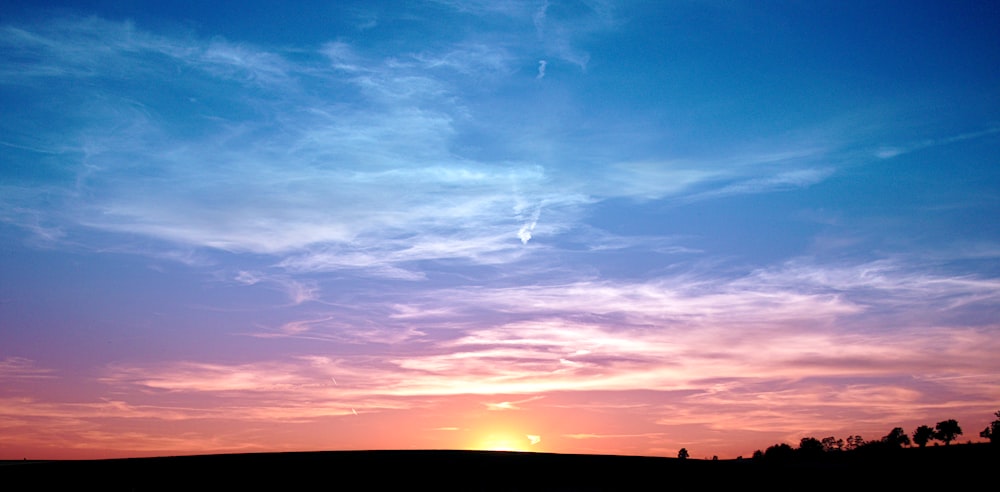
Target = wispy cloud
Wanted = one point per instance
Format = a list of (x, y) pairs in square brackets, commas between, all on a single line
[(369, 182), (610, 436), (748, 353), (22, 369), (888, 152), (212, 208), (298, 291), (558, 34), (509, 405), (798, 323)]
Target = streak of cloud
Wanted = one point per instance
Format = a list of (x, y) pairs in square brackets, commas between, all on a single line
[(509, 405), (888, 152), (22, 369)]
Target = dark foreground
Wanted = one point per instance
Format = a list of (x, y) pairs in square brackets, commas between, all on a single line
[(958, 466)]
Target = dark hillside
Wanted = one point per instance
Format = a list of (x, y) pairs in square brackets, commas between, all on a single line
[(952, 466)]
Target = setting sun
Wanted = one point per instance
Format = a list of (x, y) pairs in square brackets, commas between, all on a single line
[(507, 441)]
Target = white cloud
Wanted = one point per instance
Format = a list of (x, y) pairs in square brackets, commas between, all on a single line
[(524, 233)]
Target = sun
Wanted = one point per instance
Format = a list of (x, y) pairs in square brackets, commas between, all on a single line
[(502, 441)]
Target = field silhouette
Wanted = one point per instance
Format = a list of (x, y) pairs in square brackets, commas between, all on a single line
[(949, 467)]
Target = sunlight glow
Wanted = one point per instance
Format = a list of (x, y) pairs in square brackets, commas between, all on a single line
[(505, 441)]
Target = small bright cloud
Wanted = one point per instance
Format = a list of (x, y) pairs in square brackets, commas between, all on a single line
[(510, 405), (504, 405), (524, 234)]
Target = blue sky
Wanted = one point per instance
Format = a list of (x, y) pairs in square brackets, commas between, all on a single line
[(766, 219)]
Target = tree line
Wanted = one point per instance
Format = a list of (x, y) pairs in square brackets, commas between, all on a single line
[(945, 431)]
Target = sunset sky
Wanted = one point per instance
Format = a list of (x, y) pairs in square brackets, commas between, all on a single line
[(559, 226)]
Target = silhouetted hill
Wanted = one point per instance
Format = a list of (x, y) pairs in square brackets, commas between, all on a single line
[(952, 466)]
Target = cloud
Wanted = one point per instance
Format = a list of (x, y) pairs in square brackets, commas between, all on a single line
[(803, 320), (366, 22), (538, 17), (851, 344), (247, 278), (610, 436), (533, 439), (789, 326), (509, 405), (713, 177), (472, 59), (204, 377), (22, 369), (558, 34), (96, 48), (504, 405), (264, 158), (888, 152), (799, 178), (524, 233), (541, 69), (890, 286), (298, 291), (340, 328)]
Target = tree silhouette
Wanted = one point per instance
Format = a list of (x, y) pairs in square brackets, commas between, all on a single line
[(922, 435), (810, 448), (947, 431), (831, 444), (854, 442), (992, 431), (896, 438), (779, 452), (683, 454)]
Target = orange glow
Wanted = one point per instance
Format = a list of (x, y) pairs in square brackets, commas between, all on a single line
[(505, 441)]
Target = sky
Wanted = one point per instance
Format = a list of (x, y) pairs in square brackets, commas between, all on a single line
[(556, 226)]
